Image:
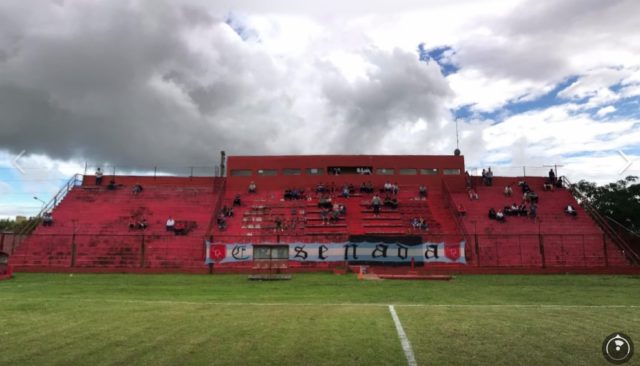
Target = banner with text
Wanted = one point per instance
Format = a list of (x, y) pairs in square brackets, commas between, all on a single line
[(349, 251)]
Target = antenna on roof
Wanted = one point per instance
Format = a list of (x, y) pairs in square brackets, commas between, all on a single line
[(456, 152)]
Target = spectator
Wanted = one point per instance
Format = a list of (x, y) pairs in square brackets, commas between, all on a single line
[(47, 219), (500, 216), (533, 211), (325, 201), (171, 224), (415, 223), (522, 209), (552, 176), (422, 191), (395, 189), (531, 196), (335, 216), (345, 191), (473, 195), (252, 187), (324, 215), (423, 224), (98, 177), (508, 191), (570, 210), (320, 188), (489, 177), (237, 201), (112, 185), (376, 202), (140, 224), (525, 187), (222, 221), (180, 228), (137, 189), (278, 221), (391, 202), (227, 211), (343, 209), (492, 213)]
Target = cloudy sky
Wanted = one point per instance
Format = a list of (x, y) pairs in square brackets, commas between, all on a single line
[(138, 84)]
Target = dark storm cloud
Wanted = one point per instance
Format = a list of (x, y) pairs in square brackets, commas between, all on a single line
[(144, 83), (399, 88)]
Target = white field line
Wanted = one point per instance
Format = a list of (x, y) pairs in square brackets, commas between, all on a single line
[(404, 341), (284, 304)]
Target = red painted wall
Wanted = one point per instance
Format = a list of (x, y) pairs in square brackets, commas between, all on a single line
[(396, 162)]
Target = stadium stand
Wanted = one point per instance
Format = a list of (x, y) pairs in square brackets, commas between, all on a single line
[(99, 228)]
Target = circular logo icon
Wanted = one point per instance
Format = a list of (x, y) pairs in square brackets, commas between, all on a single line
[(617, 348)]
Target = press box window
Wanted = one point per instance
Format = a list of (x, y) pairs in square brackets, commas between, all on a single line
[(451, 171), (314, 171), (267, 172), (384, 171), (428, 171), (408, 172), (240, 173), (291, 171)]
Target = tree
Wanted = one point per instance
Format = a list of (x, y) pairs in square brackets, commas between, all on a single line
[(619, 201)]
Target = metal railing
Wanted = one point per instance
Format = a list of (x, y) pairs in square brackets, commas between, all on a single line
[(618, 240), (74, 181), (143, 250)]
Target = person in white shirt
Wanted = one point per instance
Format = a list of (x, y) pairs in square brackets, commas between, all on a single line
[(570, 210), (98, 177), (171, 223)]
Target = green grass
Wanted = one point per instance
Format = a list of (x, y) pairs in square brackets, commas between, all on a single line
[(314, 319)]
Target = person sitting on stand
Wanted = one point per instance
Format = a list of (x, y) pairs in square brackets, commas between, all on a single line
[(508, 191), (142, 224), (492, 214), (345, 191), (324, 215), (137, 189), (47, 219), (423, 224), (252, 187), (237, 201), (171, 223), (522, 209), (570, 210), (500, 216), (422, 191), (112, 185)]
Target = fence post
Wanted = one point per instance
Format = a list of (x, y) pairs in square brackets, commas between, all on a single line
[(73, 249), (13, 244), (477, 249), (142, 252), (604, 249), (541, 245)]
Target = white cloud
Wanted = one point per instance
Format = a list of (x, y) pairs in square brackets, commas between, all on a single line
[(605, 110)]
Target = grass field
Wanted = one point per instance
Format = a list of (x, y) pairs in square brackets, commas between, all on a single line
[(314, 319)]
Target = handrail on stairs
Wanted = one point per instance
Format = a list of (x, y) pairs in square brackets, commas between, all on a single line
[(630, 253)]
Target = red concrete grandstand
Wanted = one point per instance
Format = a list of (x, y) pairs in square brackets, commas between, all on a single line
[(296, 213)]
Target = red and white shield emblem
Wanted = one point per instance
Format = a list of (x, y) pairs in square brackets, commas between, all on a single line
[(452, 252), (218, 252)]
